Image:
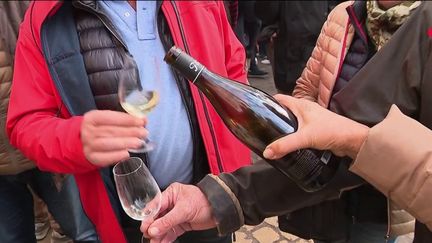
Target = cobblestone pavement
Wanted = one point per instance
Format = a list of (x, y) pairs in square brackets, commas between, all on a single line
[(266, 232)]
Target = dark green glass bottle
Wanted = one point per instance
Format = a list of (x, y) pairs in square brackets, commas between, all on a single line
[(256, 119)]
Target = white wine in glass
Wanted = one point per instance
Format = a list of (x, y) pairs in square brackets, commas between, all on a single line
[(138, 99), (139, 103)]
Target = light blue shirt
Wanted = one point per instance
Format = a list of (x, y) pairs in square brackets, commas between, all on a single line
[(168, 125)]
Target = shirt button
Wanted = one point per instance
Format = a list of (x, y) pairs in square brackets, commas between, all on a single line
[(126, 14)]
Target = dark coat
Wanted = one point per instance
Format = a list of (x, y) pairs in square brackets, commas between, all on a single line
[(299, 24)]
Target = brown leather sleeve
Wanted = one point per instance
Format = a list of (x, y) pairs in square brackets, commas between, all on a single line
[(262, 191), (226, 208), (396, 158)]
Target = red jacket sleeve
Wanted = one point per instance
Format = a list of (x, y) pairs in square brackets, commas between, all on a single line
[(37, 122)]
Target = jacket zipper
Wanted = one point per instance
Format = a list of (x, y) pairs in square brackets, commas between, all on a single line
[(31, 23), (342, 56), (219, 163), (177, 78), (387, 237), (101, 17), (43, 52)]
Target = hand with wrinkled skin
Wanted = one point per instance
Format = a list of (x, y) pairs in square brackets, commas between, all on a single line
[(183, 208), (107, 135), (318, 128)]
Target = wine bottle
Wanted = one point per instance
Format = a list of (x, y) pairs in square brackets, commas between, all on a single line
[(256, 119)]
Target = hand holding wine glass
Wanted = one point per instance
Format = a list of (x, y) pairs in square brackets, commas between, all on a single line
[(138, 191), (103, 148), (138, 99)]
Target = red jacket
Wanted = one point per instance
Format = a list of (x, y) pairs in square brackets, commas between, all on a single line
[(49, 135)]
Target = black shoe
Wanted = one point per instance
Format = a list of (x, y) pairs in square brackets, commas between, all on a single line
[(256, 73)]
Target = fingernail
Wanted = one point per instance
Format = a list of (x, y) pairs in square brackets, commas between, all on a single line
[(268, 153), (153, 231)]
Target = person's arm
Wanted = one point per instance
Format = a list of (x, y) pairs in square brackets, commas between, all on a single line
[(32, 123), (332, 33), (396, 158), (230, 200), (253, 193), (307, 85), (43, 130), (235, 56), (394, 155)]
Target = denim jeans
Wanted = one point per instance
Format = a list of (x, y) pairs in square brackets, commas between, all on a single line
[(16, 207)]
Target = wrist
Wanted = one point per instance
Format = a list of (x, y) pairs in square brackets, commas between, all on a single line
[(226, 210), (357, 138)]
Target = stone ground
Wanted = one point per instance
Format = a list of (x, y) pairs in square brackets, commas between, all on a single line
[(266, 232)]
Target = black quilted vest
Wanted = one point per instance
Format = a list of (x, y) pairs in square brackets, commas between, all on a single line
[(104, 59)]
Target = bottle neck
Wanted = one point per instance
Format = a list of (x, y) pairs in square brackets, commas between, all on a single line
[(188, 66)]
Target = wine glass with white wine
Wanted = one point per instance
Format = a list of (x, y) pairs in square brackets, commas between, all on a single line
[(139, 98), (138, 191)]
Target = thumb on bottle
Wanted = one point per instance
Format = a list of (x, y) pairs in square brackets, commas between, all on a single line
[(285, 145)]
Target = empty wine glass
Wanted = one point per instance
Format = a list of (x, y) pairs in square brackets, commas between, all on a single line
[(138, 98), (138, 191)]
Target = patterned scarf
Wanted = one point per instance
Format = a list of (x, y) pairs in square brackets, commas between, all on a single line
[(382, 24)]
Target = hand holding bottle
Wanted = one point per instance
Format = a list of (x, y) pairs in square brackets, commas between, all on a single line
[(318, 128), (257, 120)]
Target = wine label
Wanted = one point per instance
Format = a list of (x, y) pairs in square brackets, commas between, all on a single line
[(326, 156), (307, 165), (186, 64)]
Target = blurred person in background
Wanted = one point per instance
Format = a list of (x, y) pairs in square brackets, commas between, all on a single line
[(44, 222), (299, 24), (70, 56), (231, 8), (247, 30), (19, 176), (349, 73)]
